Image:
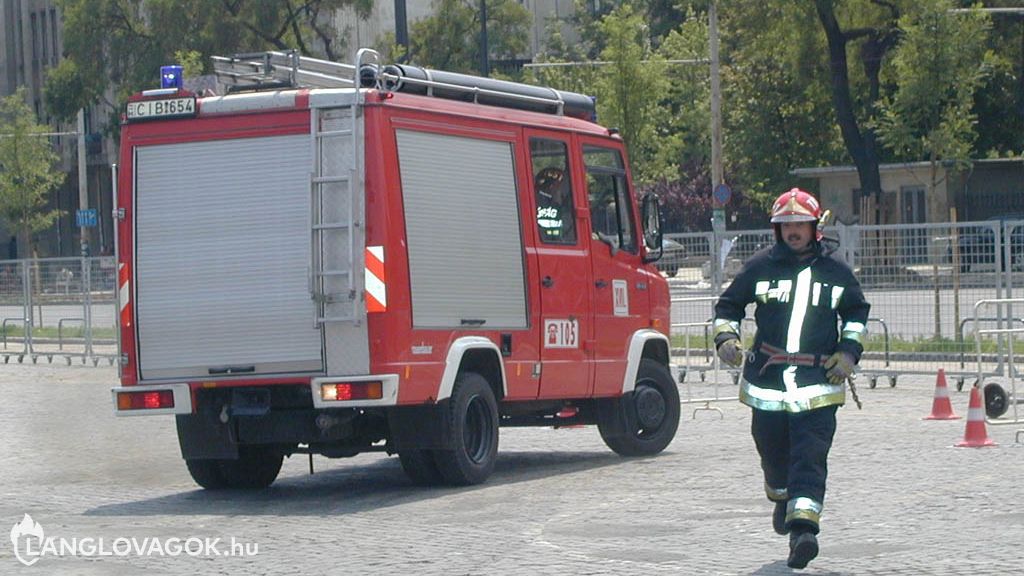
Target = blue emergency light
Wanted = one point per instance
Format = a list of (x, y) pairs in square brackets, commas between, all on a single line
[(170, 77)]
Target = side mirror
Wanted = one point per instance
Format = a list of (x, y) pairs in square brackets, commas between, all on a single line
[(652, 228)]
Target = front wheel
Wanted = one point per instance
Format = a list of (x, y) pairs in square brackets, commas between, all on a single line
[(473, 421), (647, 424)]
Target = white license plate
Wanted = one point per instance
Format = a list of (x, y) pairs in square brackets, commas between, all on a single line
[(167, 108)]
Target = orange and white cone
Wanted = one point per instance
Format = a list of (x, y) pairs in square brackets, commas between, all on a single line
[(941, 408), (975, 435)]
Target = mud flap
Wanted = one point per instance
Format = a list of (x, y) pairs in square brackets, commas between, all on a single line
[(423, 427), (203, 436)]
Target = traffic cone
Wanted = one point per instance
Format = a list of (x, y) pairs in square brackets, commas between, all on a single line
[(941, 408), (975, 435)]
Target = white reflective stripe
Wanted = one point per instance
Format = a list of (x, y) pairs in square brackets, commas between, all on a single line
[(723, 325), (941, 392), (854, 331), (854, 327), (837, 293), (796, 320), (803, 503), (975, 415), (789, 378), (799, 394), (377, 251), (817, 294)]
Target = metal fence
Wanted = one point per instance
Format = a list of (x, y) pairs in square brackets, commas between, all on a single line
[(922, 282), (61, 308)]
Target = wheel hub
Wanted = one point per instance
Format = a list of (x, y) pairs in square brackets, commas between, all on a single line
[(650, 407)]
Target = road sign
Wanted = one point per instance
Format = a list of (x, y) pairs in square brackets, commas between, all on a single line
[(86, 218), (722, 193)]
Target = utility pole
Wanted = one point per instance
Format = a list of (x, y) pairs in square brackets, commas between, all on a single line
[(401, 28), (83, 182), (720, 192), (485, 61)]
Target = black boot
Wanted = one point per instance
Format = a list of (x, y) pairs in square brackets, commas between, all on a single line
[(779, 518), (803, 547)]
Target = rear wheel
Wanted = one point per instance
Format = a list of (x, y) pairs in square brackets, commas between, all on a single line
[(651, 418), (420, 467), (256, 467), (473, 421), (206, 473)]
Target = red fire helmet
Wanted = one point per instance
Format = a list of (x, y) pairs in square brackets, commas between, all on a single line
[(796, 206)]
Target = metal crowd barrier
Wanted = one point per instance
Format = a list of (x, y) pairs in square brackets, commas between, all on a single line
[(997, 400), (62, 308)]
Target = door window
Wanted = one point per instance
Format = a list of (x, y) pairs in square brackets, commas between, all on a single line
[(556, 215), (611, 208)]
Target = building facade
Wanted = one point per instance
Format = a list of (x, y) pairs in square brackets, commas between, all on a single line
[(985, 189), (31, 42)]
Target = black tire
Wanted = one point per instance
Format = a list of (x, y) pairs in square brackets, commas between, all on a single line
[(473, 420), (206, 473), (651, 419), (997, 401), (256, 467), (420, 467)]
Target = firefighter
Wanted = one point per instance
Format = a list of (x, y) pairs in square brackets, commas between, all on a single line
[(554, 207), (795, 374)]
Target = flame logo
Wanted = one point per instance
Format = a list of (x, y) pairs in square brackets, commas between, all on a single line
[(27, 527)]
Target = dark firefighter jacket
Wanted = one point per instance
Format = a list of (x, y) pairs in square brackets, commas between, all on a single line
[(799, 304)]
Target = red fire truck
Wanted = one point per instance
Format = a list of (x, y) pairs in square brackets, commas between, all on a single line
[(334, 259)]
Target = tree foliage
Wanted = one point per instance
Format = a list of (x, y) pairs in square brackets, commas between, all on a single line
[(28, 173), (936, 69), (450, 38)]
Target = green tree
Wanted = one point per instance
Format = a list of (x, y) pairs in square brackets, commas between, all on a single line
[(27, 171), (777, 110), (938, 65), (449, 39), (629, 88)]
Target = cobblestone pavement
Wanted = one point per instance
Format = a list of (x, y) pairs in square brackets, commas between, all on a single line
[(901, 499)]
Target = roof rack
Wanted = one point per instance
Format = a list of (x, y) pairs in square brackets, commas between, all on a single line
[(274, 70), (260, 70)]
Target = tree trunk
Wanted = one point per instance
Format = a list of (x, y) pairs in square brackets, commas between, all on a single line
[(860, 144)]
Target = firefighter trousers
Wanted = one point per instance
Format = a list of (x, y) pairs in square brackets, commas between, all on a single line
[(794, 457)]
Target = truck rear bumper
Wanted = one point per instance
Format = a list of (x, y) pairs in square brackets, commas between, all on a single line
[(152, 400)]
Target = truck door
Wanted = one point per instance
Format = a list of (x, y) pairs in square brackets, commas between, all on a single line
[(564, 270), (619, 288)]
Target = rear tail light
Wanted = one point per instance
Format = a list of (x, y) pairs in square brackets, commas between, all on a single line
[(150, 400), (344, 391)]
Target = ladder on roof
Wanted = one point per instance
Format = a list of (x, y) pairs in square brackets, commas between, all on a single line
[(284, 70)]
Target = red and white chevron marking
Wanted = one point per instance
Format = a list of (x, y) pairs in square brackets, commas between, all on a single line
[(376, 286), (124, 293)]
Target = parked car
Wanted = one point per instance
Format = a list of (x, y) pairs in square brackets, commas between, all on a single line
[(672, 255), (977, 246)]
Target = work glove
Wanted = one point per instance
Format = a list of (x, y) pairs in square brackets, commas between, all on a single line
[(731, 352), (839, 367)]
